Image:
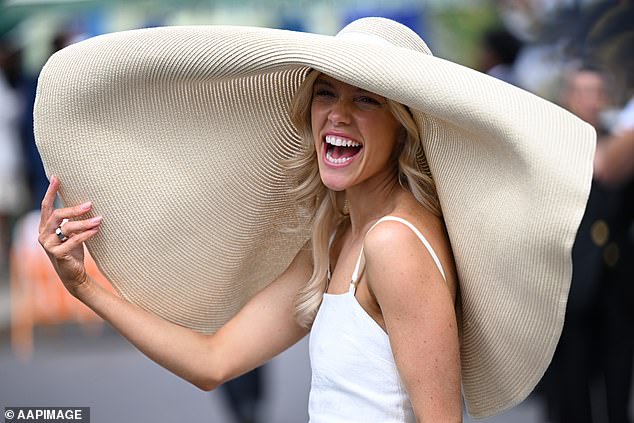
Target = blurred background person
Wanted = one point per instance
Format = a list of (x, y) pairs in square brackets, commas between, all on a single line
[(578, 367), (244, 395), (611, 44), (13, 194), (615, 50), (591, 373), (499, 49)]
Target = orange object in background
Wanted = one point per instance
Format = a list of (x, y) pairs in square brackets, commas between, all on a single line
[(37, 295)]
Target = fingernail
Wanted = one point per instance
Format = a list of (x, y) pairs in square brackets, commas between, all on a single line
[(86, 205), (96, 219)]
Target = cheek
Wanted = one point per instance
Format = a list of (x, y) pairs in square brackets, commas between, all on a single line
[(388, 135), (314, 124), (387, 149)]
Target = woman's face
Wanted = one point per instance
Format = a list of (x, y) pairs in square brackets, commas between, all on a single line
[(354, 132)]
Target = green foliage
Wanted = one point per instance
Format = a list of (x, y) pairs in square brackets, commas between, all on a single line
[(456, 32)]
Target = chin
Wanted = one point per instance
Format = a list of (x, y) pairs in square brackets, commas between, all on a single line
[(334, 186), (334, 183)]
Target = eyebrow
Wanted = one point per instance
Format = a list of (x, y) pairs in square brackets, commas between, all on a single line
[(323, 82), (320, 81)]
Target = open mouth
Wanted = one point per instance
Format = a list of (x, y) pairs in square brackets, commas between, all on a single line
[(341, 150)]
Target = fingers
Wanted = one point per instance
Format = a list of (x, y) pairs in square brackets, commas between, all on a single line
[(48, 201), (76, 240), (72, 228), (50, 218), (58, 215), (76, 231)]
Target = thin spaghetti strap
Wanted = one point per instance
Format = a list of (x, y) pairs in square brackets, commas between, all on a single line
[(355, 275), (328, 273)]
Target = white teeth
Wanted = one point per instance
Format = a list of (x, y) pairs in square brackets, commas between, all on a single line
[(339, 160), (333, 140)]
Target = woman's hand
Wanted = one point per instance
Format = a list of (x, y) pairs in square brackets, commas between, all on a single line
[(67, 256)]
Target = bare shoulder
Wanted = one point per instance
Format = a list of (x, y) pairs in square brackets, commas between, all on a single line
[(390, 236), (393, 244)]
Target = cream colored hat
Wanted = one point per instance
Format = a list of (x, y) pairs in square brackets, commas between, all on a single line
[(177, 134)]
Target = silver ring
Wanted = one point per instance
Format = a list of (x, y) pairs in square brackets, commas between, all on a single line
[(60, 234)]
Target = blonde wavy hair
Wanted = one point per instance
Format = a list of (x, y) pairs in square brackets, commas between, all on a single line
[(325, 207)]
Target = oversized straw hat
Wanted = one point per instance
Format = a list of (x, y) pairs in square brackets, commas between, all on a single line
[(177, 135)]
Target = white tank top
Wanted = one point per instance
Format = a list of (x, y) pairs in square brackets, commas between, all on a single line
[(354, 376)]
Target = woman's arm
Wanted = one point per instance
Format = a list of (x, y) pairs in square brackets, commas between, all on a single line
[(418, 309), (262, 329)]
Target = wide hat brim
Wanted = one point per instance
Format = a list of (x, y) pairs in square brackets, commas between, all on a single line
[(178, 135)]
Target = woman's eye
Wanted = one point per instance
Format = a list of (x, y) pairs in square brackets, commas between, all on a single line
[(323, 93), (369, 101)]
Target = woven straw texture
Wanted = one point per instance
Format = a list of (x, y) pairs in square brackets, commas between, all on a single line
[(177, 136)]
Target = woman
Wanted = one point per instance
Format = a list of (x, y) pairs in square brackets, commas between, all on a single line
[(376, 282), (414, 306)]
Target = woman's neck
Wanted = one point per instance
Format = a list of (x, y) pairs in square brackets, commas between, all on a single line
[(372, 199)]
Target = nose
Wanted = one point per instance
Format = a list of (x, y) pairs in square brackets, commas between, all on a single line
[(339, 113)]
